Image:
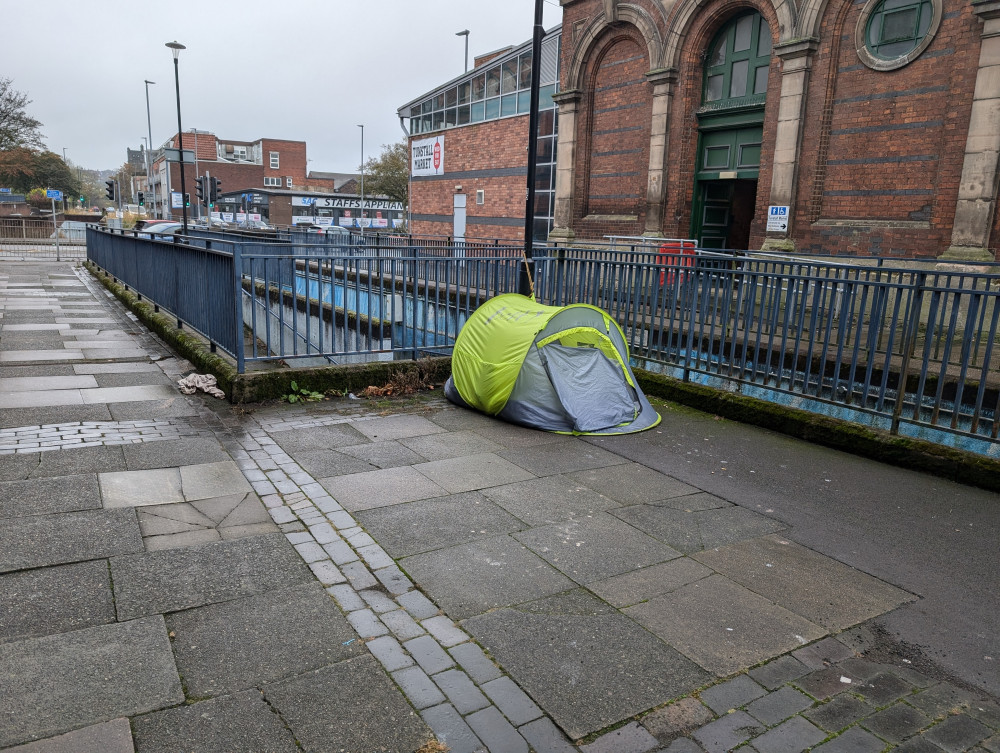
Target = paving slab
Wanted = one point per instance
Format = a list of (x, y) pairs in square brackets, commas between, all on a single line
[(632, 484), (324, 718), (389, 454), (819, 588), (648, 582), (322, 464), (586, 672), (167, 581), (174, 407), (159, 486), (116, 368), (595, 548), (107, 737), (40, 399), (61, 682), (561, 457), (436, 523), (207, 480), (174, 452), (677, 719), (575, 601), (42, 540), (693, 531), (550, 499), (318, 438), (731, 694), (450, 445), (238, 722), (243, 643), (472, 578), (18, 466), (472, 472), (55, 600), (69, 462), (44, 383), (133, 379), (16, 417), (723, 626), (727, 732), (396, 427), (392, 486), (49, 495)]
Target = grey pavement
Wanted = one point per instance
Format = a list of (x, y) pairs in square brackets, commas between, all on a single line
[(176, 575)]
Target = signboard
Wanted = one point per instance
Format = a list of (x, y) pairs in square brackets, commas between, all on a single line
[(4, 190), (427, 156), (227, 216), (176, 200), (331, 203), (52, 193), (174, 155), (777, 219)]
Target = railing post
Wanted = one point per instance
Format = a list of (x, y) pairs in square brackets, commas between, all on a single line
[(909, 343), (238, 305)]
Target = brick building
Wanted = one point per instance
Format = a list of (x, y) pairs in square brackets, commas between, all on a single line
[(864, 127), (264, 164)]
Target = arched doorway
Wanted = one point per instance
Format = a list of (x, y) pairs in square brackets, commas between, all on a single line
[(730, 129)]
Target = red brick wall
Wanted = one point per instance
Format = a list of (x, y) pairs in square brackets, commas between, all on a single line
[(495, 146), (291, 160)]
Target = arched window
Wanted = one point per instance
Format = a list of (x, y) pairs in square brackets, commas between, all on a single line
[(891, 33), (737, 62)]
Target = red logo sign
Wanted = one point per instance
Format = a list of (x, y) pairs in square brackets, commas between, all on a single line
[(437, 155)]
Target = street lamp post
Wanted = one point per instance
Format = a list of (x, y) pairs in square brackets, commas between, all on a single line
[(465, 33), (175, 48), (361, 219), (524, 283), (149, 145)]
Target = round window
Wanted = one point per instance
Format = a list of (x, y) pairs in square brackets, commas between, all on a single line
[(891, 33)]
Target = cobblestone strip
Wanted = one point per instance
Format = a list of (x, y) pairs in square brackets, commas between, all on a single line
[(24, 439), (461, 694)]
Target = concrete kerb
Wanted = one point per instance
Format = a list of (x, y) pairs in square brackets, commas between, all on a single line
[(905, 452), (254, 387)]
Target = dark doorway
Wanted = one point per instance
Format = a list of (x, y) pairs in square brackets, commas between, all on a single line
[(724, 210)]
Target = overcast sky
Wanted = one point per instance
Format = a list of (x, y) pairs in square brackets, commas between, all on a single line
[(309, 70)]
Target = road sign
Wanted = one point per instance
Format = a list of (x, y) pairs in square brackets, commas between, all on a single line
[(174, 155), (4, 190), (176, 200), (777, 219), (53, 194)]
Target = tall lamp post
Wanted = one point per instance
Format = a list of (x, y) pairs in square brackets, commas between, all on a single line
[(465, 33), (175, 48), (361, 219), (524, 284), (149, 145)]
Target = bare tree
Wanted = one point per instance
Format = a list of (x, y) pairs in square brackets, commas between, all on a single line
[(17, 128)]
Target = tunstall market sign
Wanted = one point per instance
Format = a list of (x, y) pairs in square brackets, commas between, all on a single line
[(427, 157)]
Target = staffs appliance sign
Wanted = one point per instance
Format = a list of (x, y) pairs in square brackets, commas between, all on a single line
[(427, 156)]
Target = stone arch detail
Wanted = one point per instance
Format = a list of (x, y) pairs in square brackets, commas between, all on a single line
[(592, 38)]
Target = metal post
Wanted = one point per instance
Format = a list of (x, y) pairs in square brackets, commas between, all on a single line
[(149, 145), (55, 226), (524, 280), (465, 33), (176, 47), (361, 219)]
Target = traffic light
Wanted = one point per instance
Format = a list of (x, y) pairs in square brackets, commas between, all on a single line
[(110, 192), (200, 188), (216, 184), (187, 200), (141, 198)]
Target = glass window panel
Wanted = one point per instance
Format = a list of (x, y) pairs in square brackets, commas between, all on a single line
[(478, 88), (524, 72), (450, 117), (493, 82), (760, 80), (764, 40), (464, 115), (895, 49), (451, 97), (716, 216), (738, 79), (925, 20), (415, 110), (541, 229), (426, 123), (544, 150), (508, 105), (716, 157), (493, 108), (438, 119), (713, 89), (478, 112), (464, 93), (439, 102), (545, 97), (900, 24), (717, 192), (874, 31), (744, 30), (749, 155), (426, 106), (891, 4), (508, 77), (414, 126), (718, 54), (523, 101), (542, 203), (543, 177), (546, 122)]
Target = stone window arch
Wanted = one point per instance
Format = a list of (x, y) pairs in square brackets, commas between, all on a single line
[(892, 33)]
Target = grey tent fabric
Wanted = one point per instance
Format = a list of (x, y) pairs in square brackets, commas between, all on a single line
[(590, 387)]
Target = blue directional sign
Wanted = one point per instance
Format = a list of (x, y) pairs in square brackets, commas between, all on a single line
[(4, 190), (53, 194)]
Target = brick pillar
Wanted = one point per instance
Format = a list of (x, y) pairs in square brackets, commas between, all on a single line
[(977, 191), (663, 82), (562, 219), (796, 61)]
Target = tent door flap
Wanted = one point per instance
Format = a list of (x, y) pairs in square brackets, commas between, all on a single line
[(592, 388)]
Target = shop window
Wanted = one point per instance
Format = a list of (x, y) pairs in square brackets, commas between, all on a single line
[(891, 33), (738, 60)]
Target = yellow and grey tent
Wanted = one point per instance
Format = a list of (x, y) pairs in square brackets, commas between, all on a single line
[(557, 368)]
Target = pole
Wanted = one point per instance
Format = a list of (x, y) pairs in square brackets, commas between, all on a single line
[(149, 146), (55, 226), (361, 219), (465, 33), (524, 280), (196, 168), (180, 132)]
